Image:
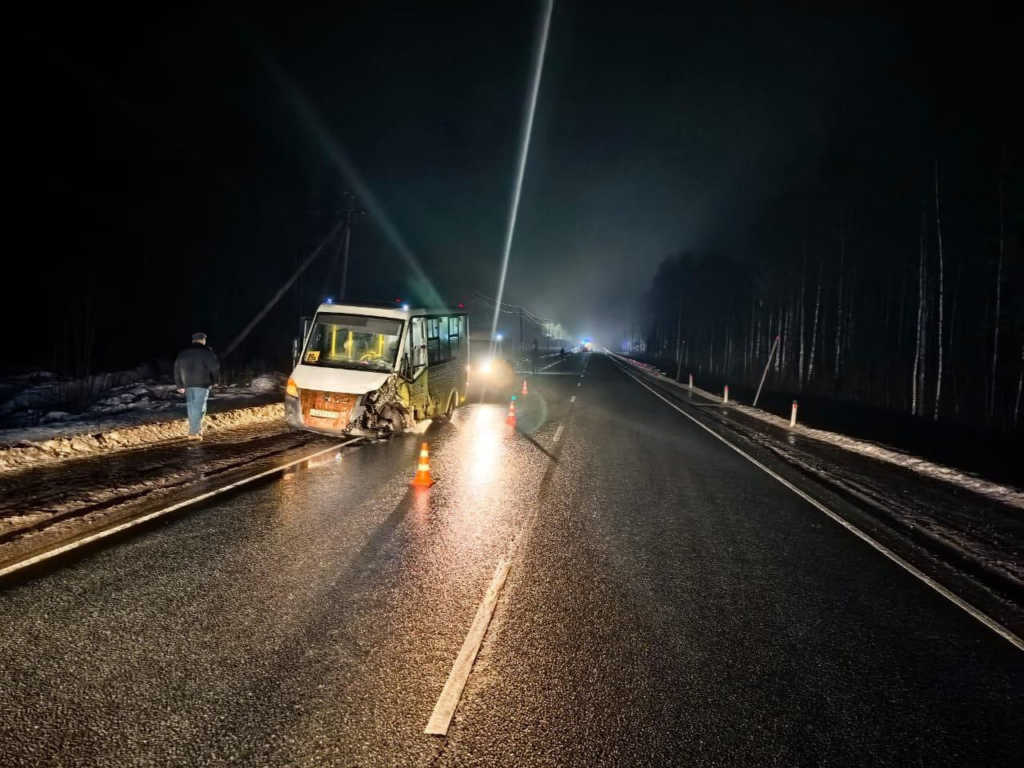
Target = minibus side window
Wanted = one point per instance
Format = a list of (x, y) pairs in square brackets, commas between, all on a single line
[(438, 340), (454, 334)]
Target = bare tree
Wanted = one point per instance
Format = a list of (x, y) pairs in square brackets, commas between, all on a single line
[(803, 287), (778, 332), (814, 327), (679, 340), (836, 360), (938, 235), (917, 389), (1020, 381), (999, 280)]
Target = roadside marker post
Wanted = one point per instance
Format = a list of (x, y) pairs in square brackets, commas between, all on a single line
[(792, 415), (525, 391), (725, 396)]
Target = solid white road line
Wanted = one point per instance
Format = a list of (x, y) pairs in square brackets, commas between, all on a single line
[(558, 432), (444, 709), (160, 512), (572, 399), (988, 621)]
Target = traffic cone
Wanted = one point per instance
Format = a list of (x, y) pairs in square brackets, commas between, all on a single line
[(525, 392), (423, 477), (511, 418)]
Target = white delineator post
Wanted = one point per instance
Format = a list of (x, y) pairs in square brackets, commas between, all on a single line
[(725, 396), (792, 415), (691, 386)]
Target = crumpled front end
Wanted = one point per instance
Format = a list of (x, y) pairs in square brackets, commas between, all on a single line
[(386, 410), (377, 413)]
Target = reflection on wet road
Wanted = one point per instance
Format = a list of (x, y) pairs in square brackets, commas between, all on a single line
[(665, 604)]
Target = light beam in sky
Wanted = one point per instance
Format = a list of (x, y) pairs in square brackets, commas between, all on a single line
[(524, 150)]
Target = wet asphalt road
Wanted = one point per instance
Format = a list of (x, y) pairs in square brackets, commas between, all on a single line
[(668, 604)]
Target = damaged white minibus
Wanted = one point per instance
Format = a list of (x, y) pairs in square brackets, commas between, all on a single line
[(367, 369)]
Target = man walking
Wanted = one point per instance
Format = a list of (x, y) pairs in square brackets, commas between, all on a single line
[(195, 371)]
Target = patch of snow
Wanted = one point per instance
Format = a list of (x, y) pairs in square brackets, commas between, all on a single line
[(268, 382), (56, 447)]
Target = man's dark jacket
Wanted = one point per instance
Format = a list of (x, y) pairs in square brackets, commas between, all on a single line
[(196, 366)]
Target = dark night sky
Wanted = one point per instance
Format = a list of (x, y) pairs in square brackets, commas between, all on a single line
[(166, 164)]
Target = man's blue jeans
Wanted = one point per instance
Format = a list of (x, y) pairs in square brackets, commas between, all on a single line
[(195, 400)]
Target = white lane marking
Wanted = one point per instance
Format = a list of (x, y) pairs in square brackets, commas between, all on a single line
[(160, 512), (988, 621), (558, 432), (444, 709), (546, 373), (579, 383), (572, 399)]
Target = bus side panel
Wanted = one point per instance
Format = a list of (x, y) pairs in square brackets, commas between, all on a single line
[(419, 394), (443, 379)]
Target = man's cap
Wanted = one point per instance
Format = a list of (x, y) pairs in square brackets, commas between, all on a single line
[(198, 336)]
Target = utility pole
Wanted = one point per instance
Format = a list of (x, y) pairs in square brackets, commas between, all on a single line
[(350, 211), (522, 343)]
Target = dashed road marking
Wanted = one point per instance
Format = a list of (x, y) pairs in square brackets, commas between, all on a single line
[(579, 383), (552, 365), (444, 709), (572, 399), (558, 432), (958, 601)]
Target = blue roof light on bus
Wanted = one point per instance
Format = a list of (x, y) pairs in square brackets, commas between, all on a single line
[(329, 300), (499, 337), (405, 307)]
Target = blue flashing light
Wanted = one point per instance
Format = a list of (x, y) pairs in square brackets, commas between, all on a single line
[(405, 307), (329, 300), (499, 336)]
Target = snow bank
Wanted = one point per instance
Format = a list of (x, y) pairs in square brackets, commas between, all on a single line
[(31, 453), (269, 382), (41, 399), (29, 395)]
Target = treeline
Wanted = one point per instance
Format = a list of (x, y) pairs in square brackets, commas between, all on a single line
[(914, 305)]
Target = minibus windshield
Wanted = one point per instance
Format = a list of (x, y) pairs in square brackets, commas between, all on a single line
[(362, 342)]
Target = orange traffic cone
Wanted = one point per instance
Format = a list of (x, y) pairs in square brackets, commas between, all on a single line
[(423, 477), (511, 418), (525, 392)]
